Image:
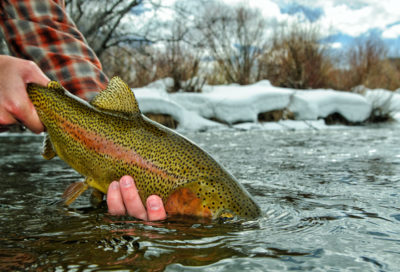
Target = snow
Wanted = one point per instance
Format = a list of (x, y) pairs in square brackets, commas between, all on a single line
[(239, 106), (234, 103), (153, 100), (314, 104)]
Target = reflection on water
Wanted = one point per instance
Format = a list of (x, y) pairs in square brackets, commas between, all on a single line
[(330, 201)]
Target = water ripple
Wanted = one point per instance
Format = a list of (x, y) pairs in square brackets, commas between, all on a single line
[(329, 204)]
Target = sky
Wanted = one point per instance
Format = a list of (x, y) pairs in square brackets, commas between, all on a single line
[(341, 21)]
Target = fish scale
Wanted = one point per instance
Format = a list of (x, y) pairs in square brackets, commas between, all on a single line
[(109, 138)]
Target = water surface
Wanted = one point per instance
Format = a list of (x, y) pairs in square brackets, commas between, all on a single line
[(330, 201)]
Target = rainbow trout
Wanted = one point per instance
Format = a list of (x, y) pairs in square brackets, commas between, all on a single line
[(109, 137)]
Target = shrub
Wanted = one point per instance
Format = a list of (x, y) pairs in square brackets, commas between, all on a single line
[(297, 59), (369, 66), (134, 66), (141, 66), (383, 106), (181, 63)]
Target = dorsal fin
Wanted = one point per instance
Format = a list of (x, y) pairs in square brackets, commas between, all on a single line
[(116, 97), (54, 85)]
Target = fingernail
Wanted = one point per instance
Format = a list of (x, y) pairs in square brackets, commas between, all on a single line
[(126, 182), (114, 185), (154, 204)]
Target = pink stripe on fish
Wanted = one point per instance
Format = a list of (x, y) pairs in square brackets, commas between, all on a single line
[(97, 143)]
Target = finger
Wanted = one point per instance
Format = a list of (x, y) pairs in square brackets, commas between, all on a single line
[(28, 116), (33, 74), (114, 199), (155, 208), (20, 107), (32, 120), (6, 118), (131, 198)]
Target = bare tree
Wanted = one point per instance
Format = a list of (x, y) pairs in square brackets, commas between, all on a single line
[(101, 22), (174, 53), (235, 38)]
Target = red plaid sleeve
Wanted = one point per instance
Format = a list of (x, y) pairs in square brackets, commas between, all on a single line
[(41, 31)]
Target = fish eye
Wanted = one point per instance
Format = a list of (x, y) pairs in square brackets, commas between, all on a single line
[(226, 215)]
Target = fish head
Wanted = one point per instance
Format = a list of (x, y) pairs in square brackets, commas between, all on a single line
[(216, 198), (50, 100), (42, 95)]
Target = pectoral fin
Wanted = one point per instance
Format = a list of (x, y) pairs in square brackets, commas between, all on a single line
[(48, 150), (96, 198), (73, 191)]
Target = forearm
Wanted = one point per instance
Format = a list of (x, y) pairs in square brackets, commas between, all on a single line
[(42, 32)]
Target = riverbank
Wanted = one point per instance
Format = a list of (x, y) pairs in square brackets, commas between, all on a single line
[(261, 103)]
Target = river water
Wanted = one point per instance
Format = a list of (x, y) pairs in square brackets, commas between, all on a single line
[(330, 201)]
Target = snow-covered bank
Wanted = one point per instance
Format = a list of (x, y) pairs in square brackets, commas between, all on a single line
[(315, 104), (233, 104), (158, 102)]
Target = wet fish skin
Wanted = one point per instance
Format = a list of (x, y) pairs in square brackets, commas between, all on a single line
[(109, 137)]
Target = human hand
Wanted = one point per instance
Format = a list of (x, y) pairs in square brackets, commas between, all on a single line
[(15, 104), (123, 197)]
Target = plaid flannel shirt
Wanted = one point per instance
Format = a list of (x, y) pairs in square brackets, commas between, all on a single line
[(41, 31)]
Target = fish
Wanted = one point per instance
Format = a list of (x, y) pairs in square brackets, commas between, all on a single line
[(109, 137)]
